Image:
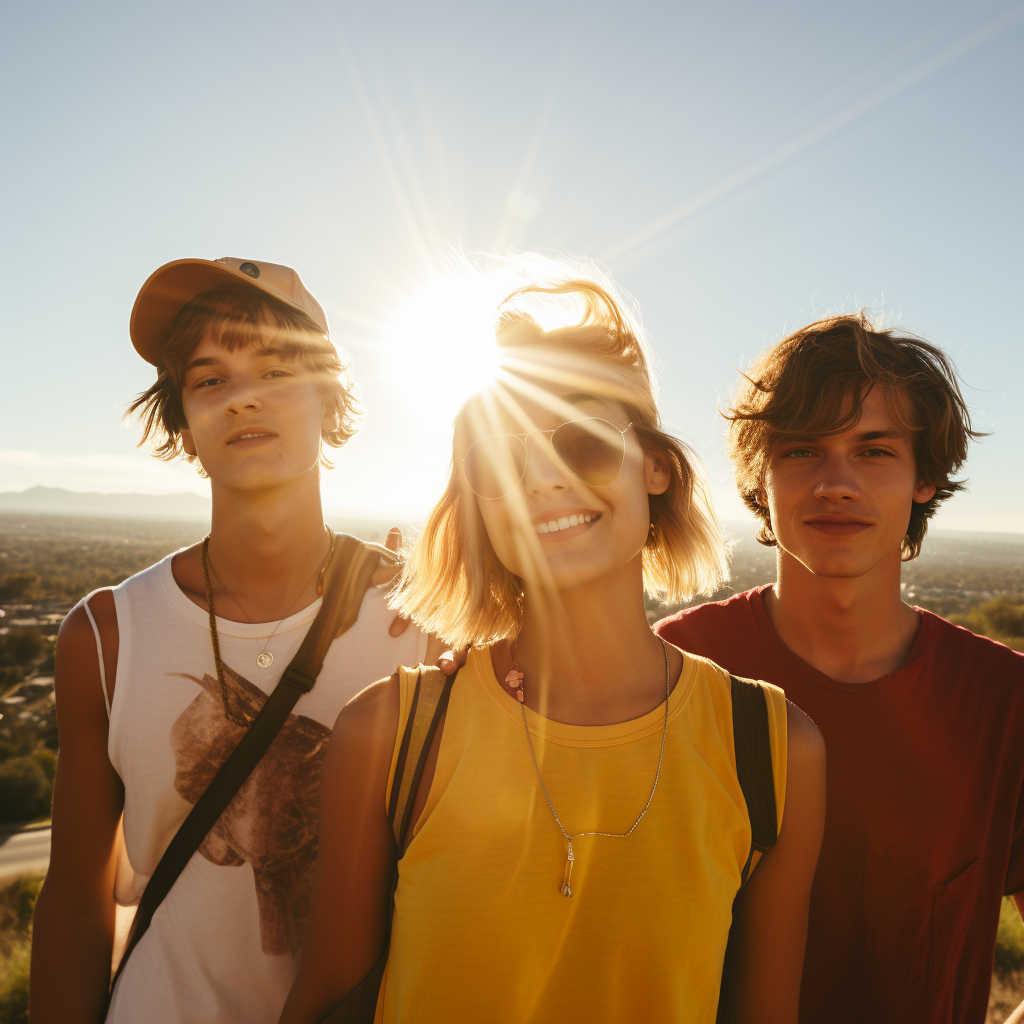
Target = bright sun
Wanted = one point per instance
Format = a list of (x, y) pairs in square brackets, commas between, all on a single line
[(440, 342)]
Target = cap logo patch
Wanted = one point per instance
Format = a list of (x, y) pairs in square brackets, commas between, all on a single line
[(249, 268)]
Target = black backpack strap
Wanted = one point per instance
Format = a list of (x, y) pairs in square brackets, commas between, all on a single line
[(753, 745), (348, 580), (429, 703)]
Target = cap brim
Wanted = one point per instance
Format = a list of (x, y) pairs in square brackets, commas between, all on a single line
[(173, 286)]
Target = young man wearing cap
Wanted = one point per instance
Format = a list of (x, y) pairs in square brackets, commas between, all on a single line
[(250, 388), (845, 441)]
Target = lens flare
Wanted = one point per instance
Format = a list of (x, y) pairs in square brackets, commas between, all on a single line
[(440, 341)]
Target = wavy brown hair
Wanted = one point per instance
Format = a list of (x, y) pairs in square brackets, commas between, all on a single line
[(798, 387), (239, 318), (454, 584)]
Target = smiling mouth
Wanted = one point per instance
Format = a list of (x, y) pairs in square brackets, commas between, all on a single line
[(566, 522)]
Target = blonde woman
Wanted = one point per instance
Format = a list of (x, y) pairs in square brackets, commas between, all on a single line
[(580, 832)]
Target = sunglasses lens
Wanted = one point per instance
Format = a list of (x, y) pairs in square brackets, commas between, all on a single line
[(591, 449), (495, 465)]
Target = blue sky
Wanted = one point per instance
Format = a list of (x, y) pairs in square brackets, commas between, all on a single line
[(740, 168)]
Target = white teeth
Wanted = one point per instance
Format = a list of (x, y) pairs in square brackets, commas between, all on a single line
[(565, 523)]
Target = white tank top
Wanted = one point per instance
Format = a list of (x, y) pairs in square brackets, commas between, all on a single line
[(224, 944)]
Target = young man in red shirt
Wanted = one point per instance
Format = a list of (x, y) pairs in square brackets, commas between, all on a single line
[(845, 440)]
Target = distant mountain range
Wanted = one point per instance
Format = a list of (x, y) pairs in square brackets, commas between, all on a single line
[(56, 501)]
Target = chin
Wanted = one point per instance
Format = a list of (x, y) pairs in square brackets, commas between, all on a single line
[(835, 565), (260, 478), (577, 572)]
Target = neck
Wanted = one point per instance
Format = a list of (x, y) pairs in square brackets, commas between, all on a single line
[(854, 630), (265, 544), (588, 653)]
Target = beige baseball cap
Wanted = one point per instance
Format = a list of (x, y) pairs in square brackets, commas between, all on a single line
[(176, 284)]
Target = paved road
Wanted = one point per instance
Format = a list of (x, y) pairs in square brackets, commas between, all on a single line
[(24, 851)]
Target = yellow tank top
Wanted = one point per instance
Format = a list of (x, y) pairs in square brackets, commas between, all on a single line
[(481, 931)]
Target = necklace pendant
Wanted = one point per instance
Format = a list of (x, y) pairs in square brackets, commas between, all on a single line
[(264, 659), (566, 888)]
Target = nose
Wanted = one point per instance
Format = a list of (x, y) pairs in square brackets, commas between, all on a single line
[(544, 471), (837, 482), (242, 395)]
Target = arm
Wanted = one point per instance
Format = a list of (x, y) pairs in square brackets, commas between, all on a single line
[(350, 903), (73, 930), (771, 911)]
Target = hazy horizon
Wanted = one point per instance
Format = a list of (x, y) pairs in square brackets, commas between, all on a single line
[(745, 526)]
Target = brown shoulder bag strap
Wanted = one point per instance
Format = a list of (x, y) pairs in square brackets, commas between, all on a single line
[(347, 583)]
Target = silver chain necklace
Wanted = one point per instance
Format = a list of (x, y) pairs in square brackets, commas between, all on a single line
[(570, 856), (265, 658)]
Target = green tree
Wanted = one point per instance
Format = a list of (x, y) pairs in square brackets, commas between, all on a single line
[(26, 789), (1003, 618), (17, 905), (21, 646), (999, 618), (1009, 939), (17, 586)]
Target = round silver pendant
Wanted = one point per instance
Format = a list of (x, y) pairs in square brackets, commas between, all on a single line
[(264, 659)]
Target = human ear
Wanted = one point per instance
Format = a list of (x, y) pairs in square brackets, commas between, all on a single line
[(657, 473), (924, 491), (188, 446)]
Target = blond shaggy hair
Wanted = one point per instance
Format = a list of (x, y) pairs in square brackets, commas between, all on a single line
[(453, 583)]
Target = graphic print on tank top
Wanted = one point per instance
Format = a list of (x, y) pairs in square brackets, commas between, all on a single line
[(272, 822)]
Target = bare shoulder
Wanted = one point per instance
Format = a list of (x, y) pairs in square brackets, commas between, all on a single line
[(77, 672), (364, 733), (76, 628), (372, 710), (804, 740)]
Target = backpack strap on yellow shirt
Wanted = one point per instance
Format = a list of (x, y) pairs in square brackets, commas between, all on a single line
[(428, 705), (429, 701), (753, 745), (751, 732)]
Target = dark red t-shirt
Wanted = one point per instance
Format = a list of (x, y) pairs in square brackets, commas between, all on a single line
[(924, 826)]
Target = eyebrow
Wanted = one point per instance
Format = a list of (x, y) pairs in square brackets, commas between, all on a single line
[(211, 361), (580, 398), (207, 361), (867, 435), (882, 435)]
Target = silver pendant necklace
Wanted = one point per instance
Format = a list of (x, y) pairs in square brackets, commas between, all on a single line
[(514, 679), (265, 658)]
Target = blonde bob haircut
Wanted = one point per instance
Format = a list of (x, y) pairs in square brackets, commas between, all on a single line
[(453, 583)]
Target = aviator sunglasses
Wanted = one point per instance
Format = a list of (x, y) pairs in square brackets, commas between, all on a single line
[(590, 449)]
